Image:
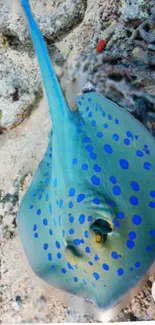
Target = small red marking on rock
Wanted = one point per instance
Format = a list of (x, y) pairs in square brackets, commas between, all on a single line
[(100, 46)]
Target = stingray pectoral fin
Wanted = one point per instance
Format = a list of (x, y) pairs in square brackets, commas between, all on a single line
[(57, 103), (95, 107)]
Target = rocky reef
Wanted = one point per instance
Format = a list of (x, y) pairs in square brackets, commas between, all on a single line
[(124, 71)]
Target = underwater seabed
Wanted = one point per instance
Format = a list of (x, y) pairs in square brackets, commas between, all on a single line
[(84, 306)]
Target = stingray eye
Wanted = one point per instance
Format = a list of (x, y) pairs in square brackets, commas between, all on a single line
[(99, 238), (101, 228)]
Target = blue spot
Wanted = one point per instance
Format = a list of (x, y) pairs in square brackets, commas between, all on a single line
[(63, 270), (45, 247), (95, 180), (90, 218), (147, 166), (75, 279), (152, 193), (71, 219), (34, 227), (96, 276), (111, 203), (36, 235), (152, 205), (129, 134), (152, 232), (134, 200), (131, 268), (130, 244), (40, 197), (147, 152), (86, 233), (137, 264), (115, 137), (116, 190), (132, 235), (59, 256), (108, 148), (90, 263), (74, 161), (93, 155), (96, 257), (82, 219), (72, 192), (116, 223), (49, 256), (57, 244), (84, 166), (50, 207), (120, 215), (113, 179), (63, 233), (109, 117), (82, 123), (126, 141), (89, 148), (60, 204), (53, 267), (80, 197), (87, 108), (120, 271), (89, 99), (96, 200), (90, 114), (97, 168), (79, 103), (139, 153), (103, 114), (39, 212), (45, 222), (51, 232), (105, 267), (116, 121), (105, 125), (137, 220), (71, 231), (135, 186), (93, 123), (99, 134), (149, 249), (87, 249), (69, 266), (86, 139), (31, 206), (124, 163), (114, 255), (70, 205), (77, 242)]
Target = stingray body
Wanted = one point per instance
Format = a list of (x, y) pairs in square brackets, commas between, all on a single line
[(87, 221)]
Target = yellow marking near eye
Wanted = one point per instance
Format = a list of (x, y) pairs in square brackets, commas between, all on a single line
[(99, 238)]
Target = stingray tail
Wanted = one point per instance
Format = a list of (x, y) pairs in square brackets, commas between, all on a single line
[(58, 106)]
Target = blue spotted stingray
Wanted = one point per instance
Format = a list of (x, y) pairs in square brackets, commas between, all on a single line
[(87, 221)]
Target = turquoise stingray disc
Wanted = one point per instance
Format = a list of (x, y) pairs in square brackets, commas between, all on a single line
[(87, 221)]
